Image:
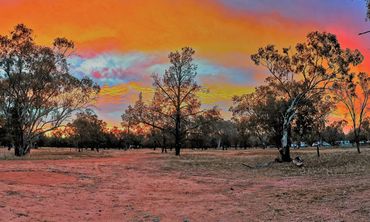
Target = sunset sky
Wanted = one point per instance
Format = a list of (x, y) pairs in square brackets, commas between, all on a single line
[(120, 43)]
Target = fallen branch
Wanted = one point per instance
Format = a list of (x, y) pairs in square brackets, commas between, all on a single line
[(247, 165), (296, 161)]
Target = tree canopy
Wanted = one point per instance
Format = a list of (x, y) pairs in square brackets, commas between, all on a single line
[(300, 74), (37, 92), (175, 103)]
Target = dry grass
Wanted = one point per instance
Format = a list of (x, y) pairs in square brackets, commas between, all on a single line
[(331, 162), (145, 185), (326, 188), (47, 153)]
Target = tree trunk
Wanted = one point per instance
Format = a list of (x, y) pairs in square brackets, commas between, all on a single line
[(285, 140), (21, 148), (18, 143), (177, 134), (21, 144), (219, 143), (164, 146), (318, 150), (357, 140), (18, 151), (358, 145), (284, 150), (177, 149)]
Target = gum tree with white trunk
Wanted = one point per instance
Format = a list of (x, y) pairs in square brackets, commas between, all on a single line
[(303, 72)]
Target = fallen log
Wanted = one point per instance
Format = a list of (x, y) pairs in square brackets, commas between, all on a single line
[(298, 161)]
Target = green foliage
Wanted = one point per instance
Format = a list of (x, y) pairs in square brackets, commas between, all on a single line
[(88, 130), (175, 105), (300, 74), (37, 92)]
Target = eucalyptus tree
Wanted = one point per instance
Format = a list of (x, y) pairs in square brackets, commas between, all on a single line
[(88, 130), (37, 92), (303, 72), (354, 93), (175, 103)]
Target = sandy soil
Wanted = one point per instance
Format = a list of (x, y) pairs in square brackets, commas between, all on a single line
[(142, 185)]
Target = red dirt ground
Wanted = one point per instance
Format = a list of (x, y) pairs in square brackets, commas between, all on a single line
[(143, 185)]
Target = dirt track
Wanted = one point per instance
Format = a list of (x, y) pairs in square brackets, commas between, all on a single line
[(147, 186)]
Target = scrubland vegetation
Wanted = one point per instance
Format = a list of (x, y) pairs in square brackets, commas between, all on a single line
[(173, 159)]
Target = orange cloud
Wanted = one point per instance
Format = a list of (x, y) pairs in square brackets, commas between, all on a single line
[(150, 25), (218, 33), (125, 93)]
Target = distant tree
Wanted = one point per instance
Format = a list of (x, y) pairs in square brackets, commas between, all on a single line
[(207, 130), (129, 117), (175, 102), (226, 132), (354, 93), (60, 137), (176, 90), (243, 133), (37, 92), (141, 115), (366, 128), (304, 73), (88, 130), (116, 138), (334, 132), (259, 114)]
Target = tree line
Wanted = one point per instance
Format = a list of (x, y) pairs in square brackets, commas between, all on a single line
[(304, 84)]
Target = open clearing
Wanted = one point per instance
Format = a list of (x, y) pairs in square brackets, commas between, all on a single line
[(145, 185)]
